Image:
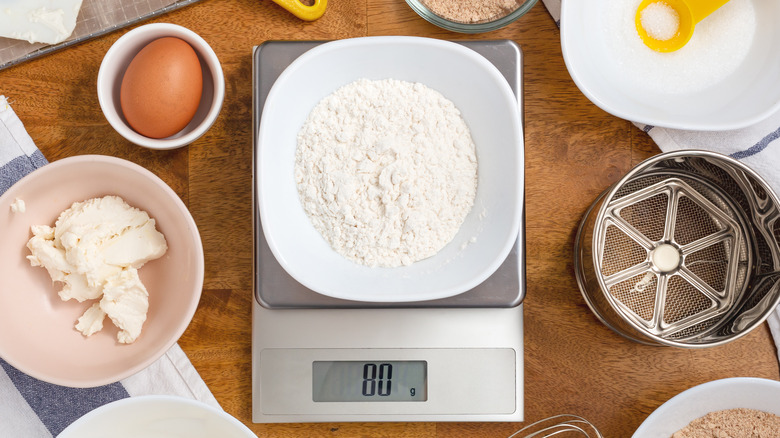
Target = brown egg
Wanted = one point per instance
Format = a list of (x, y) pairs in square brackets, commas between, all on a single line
[(161, 88)]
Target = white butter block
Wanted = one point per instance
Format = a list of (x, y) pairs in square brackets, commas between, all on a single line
[(41, 21)]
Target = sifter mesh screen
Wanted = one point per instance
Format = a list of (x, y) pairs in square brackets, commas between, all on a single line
[(683, 300), (710, 264), (693, 330), (637, 294), (693, 222), (637, 184), (620, 252), (648, 216)]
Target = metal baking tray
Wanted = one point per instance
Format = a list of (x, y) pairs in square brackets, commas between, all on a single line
[(96, 18)]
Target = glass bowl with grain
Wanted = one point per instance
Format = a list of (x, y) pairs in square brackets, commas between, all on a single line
[(471, 16)]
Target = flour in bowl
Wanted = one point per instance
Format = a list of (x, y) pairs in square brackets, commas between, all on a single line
[(386, 171)]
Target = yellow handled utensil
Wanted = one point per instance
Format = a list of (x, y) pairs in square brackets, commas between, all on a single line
[(302, 11), (667, 25)]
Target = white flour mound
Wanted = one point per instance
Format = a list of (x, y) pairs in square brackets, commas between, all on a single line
[(386, 171)]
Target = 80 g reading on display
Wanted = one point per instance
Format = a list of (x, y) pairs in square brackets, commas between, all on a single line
[(363, 381)]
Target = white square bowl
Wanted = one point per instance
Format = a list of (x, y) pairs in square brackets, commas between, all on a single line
[(745, 96), (491, 111)]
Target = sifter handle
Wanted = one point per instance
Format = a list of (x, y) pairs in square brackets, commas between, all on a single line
[(302, 11)]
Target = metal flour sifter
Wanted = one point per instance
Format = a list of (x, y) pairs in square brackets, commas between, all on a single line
[(682, 251)]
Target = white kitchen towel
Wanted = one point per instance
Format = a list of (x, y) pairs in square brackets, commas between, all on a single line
[(758, 146), (30, 408)]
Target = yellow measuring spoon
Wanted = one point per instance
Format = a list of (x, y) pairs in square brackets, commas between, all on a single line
[(656, 20), (302, 11)]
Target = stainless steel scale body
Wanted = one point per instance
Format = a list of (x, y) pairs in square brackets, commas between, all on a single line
[(461, 357)]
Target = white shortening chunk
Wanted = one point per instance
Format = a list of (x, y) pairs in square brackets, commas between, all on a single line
[(126, 301), (95, 250), (38, 21)]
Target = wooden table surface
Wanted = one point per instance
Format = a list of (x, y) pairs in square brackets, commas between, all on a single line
[(573, 151)]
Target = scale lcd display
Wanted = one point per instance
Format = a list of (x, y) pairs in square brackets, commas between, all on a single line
[(363, 381)]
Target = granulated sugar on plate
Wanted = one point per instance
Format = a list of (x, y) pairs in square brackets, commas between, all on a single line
[(660, 21), (719, 45)]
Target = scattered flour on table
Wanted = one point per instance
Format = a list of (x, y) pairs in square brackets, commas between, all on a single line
[(732, 423), (386, 170)]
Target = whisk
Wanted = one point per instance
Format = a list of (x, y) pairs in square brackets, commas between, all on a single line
[(556, 425)]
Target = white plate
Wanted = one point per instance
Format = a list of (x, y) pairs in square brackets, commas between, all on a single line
[(736, 392), (746, 95), (491, 111), (157, 416)]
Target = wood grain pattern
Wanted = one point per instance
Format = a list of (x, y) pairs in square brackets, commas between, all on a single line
[(573, 149)]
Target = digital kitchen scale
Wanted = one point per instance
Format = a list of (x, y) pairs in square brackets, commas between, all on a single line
[(322, 359)]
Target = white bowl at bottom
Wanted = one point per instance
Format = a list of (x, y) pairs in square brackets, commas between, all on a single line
[(157, 416), (718, 395)]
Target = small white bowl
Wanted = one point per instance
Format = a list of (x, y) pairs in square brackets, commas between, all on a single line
[(491, 111), (718, 395), (118, 57), (157, 416), (725, 80)]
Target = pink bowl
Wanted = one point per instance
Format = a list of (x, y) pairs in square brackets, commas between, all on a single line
[(37, 334)]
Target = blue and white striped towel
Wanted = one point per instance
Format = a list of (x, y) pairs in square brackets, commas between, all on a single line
[(757, 146), (30, 408)]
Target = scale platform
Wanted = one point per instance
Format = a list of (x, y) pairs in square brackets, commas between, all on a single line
[(322, 359)]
